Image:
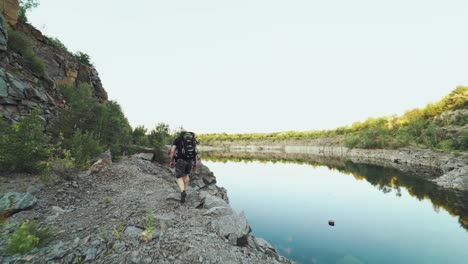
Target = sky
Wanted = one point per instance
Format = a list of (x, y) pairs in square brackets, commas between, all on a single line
[(265, 65)]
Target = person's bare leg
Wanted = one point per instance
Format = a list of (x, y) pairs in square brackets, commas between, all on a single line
[(181, 184), (186, 181)]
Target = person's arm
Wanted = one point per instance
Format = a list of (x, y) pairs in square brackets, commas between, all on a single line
[(171, 156)]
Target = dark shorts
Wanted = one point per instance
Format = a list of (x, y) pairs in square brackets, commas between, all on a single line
[(183, 168)]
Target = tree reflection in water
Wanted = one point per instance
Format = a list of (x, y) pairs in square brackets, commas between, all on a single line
[(386, 180)]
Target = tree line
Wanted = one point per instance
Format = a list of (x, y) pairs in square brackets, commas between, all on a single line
[(436, 126)]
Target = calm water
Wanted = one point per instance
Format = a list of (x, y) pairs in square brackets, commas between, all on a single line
[(381, 216)]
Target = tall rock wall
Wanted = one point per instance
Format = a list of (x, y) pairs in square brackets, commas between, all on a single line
[(22, 90)]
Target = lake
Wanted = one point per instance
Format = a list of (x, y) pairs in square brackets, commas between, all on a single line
[(381, 216)]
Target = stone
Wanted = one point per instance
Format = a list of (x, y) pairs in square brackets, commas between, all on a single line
[(3, 88), (58, 251), (210, 201), (262, 243), (218, 211), (90, 254), (13, 202), (133, 232), (144, 156), (234, 227), (3, 34), (104, 161), (174, 197), (33, 189)]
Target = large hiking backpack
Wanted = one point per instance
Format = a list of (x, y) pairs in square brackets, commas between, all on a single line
[(187, 148)]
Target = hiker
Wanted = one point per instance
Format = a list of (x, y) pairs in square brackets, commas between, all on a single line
[(183, 157)]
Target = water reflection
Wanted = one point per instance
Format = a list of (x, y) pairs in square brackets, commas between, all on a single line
[(386, 180)]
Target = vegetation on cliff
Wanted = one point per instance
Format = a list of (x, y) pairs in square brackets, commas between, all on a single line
[(440, 125)]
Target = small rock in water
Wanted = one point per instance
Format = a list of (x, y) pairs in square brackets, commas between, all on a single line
[(331, 222)]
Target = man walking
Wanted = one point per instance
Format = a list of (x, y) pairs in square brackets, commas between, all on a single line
[(183, 152)]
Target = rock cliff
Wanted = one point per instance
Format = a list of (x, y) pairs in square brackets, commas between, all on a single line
[(21, 88)]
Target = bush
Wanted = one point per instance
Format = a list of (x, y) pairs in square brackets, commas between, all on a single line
[(83, 58), (28, 236), (58, 44), (23, 145), (20, 43), (59, 164), (84, 147)]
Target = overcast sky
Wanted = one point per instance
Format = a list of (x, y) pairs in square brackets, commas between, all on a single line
[(265, 65)]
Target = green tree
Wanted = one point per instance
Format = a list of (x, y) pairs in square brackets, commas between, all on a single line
[(159, 136), (139, 136), (23, 145), (114, 131), (83, 112), (84, 147), (24, 7)]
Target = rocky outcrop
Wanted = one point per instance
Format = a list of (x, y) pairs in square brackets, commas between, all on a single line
[(122, 215), (22, 90), (9, 9)]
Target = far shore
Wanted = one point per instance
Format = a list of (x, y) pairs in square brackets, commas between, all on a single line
[(447, 170)]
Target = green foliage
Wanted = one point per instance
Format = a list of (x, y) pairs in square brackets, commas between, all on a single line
[(20, 43), (417, 127), (84, 147), (159, 136), (28, 236), (149, 228), (118, 230), (113, 130), (139, 136), (24, 7), (107, 200), (23, 145), (83, 58), (104, 124), (58, 44), (60, 163)]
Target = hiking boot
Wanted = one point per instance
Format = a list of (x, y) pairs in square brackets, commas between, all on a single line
[(182, 196)]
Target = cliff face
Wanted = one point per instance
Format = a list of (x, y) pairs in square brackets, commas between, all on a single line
[(9, 9), (21, 89)]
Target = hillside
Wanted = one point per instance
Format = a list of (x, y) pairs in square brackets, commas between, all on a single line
[(442, 126)]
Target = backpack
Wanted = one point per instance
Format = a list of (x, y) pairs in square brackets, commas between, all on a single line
[(187, 148)]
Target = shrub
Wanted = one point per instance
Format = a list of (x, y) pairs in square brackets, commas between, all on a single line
[(28, 236), (83, 58), (84, 147), (23, 145), (20, 43), (59, 164), (58, 44)]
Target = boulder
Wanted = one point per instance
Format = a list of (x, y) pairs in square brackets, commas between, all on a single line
[(144, 156), (133, 232), (174, 197), (233, 227), (104, 161), (218, 211), (14, 202), (210, 201)]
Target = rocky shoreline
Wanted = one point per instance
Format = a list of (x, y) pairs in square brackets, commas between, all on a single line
[(449, 171), (105, 218)]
